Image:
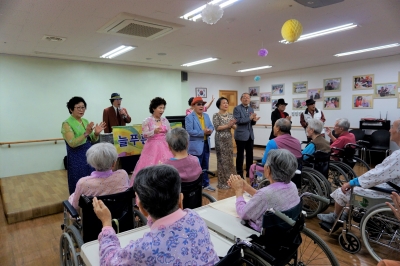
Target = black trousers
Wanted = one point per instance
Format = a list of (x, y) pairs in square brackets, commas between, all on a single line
[(241, 146)]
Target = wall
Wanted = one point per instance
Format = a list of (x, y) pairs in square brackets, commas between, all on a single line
[(385, 69), (34, 92)]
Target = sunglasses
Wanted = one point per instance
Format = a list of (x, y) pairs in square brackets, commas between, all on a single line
[(200, 104)]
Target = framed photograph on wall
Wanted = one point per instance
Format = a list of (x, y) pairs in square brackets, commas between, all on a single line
[(315, 94), (273, 103), (333, 84), (363, 101), (254, 91), (385, 90), (265, 97), (255, 104), (363, 82), (278, 89), (300, 87), (332, 103), (201, 92), (299, 104)]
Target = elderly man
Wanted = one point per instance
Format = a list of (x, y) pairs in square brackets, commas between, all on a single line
[(311, 113), (115, 115), (318, 142), (244, 136), (282, 140), (199, 127), (382, 173), (341, 127)]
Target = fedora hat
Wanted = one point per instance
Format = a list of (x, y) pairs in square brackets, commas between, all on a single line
[(310, 102), (115, 96), (280, 101), (197, 100)]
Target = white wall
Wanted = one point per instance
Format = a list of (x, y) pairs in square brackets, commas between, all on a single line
[(34, 92), (385, 69)]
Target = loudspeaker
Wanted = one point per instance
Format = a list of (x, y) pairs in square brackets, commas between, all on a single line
[(317, 3), (184, 76)]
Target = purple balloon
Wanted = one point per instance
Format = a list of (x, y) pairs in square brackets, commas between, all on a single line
[(262, 52)]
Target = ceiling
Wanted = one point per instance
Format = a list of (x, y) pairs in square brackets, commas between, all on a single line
[(246, 27)]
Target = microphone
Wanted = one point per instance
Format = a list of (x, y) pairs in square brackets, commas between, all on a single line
[(119, 111)]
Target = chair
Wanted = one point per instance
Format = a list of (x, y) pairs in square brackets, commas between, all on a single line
[(193, 194), (358, 134), (379, 142)]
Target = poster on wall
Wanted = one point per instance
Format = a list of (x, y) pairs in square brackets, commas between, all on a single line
[(273, 103), (332, 103), (332, 84), (362, 101), (385, 90), (315, 94), (278, 89), (254, 91), (299, 104), (265, 97), (255, 104), (363, 82), (300, 87)]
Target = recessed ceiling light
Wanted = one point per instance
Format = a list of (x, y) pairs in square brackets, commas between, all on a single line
[(118, 51), (369, 49), (162, 54), (210, 59), (323, 32), (148, 58), (196, 13), (253, 69)]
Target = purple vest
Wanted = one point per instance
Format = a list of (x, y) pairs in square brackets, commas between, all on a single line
[(189, 168), (289, 143)]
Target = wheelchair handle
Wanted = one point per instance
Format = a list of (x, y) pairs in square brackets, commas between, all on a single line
[(317, 197), (283, 216)]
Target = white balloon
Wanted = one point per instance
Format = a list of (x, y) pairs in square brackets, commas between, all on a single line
[(212, 13)]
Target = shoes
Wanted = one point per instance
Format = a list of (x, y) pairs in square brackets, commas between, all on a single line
[(210, 188), (328, 218)]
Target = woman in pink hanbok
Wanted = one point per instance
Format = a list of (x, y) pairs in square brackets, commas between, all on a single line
[(154, 129)]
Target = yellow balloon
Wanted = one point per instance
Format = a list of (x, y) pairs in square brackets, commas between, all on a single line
[(291, 30)]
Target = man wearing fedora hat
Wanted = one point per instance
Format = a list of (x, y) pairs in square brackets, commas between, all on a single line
[(311, 112), (199, 127), (278, 113), (115, 115)]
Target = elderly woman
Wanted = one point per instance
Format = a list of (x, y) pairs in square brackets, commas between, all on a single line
[(79, 135), (176, 237), (103, 181), (154, 129), (281, 194), (188, 166), (190, 109), (318, 142)]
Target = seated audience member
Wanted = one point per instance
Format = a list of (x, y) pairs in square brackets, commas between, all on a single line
[(282, 140), (176, 236), (188, 166), (341, 127), (318, 142), (382, 173), (103, 181), (281, 194)]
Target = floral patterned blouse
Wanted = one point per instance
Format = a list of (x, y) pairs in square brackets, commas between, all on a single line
[(149, 124), (178, 239)]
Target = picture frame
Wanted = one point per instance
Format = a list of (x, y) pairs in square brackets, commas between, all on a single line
[(255, 104), (300, 87), (299, 104), (315, 94), (201, 92), (362, 101), (332, 103), (265, 97), (273, 103), (254, 91), (332, 84), (363, 82), (398, 98), (278, 89), (385, 90)]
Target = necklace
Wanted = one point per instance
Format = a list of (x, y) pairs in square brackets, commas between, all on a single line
[(157, 120)]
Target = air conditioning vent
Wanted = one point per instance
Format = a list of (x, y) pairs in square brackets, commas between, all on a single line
[(317, 3), (138, 27), (53, 38)]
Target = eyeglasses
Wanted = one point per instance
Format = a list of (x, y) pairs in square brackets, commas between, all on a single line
[(200, 104), (120, 99), (80, 107)]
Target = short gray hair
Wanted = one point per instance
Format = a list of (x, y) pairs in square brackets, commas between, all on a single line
[(343, 123), (284, 125), (315, 125), (283, 165), (101, 156), (178, 139)]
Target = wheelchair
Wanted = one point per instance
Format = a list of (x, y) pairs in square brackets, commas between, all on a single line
[(293, 243), (76, 232), (193, 195), (379, 228)]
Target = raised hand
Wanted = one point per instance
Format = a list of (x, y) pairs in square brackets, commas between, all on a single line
[(99, 127), (89, 128), (396, 202), (102, 212)]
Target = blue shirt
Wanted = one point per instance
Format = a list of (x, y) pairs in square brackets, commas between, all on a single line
[(271, 145), (309, 149)]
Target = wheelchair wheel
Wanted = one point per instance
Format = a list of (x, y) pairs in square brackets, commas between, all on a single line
[(353, 245), (263, 183), (380, 233), (323, 181), (313, 251), (138, 219), (363, 167), (346, 169), (207, 199), (252, 258), (310, 184), (336, 176), (68, 254)]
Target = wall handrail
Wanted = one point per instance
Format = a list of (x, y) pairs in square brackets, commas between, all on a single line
[(9, 143)]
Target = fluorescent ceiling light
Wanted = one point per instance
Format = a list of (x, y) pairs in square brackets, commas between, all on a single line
[(369, 49), (252, 69), (118, 51), (200, 62), (196, 13), (323, 32)]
